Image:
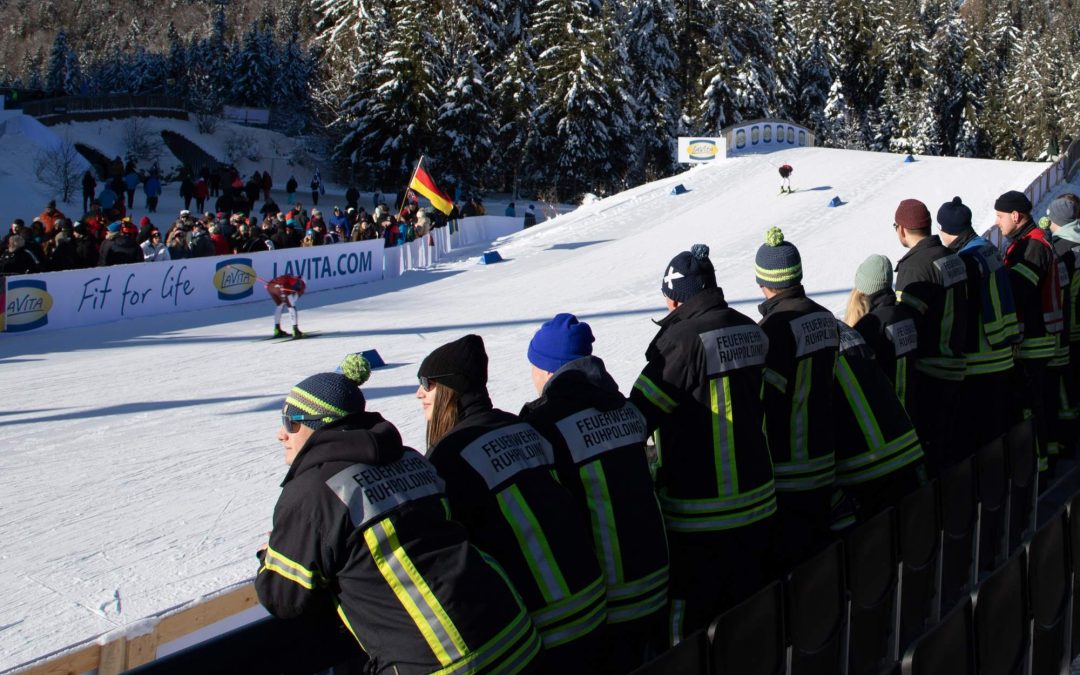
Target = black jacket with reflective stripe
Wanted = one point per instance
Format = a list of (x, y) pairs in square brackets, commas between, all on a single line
[(799, 373), (890, 330), (598, 439), (501, 486), (359, 515), (930, 279)]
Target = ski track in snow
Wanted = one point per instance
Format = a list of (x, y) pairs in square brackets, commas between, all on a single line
[(141, 467)]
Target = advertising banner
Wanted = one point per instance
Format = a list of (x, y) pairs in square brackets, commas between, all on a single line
[(102, 294), (701, 150)]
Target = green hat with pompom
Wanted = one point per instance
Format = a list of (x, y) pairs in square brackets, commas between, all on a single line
[(777, 264), (327, 397)]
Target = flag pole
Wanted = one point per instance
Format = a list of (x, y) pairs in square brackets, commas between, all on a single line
[(405, 195)]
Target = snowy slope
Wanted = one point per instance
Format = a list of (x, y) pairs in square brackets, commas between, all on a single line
[(140, 459)]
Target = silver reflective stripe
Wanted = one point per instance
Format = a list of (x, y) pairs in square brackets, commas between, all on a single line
[(691, 506), (860, 406), (799, 445), (657, 579), (678, 612), (810, 466), (405, 582), (569, 606), (591, 432), (369, 491), (849, 337), (575, 629), (905, 442), (733, 347), (649, 605), (534, 548), (478, 659), (739, 519), (502, 453), (604, 525), (814, 332), (903, 335)]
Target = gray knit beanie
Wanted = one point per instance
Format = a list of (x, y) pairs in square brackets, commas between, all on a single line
[(1061, 212), (777, 264), (873, 275)]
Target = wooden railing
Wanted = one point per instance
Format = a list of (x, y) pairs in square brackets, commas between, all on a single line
[(83, 108)]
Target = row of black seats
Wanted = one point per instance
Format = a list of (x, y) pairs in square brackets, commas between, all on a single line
[(863, 606)]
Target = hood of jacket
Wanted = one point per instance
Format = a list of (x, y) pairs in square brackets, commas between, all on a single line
[(1069, 232)]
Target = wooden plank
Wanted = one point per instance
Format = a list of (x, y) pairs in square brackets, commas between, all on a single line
[(82, 661), (201, 615), (113, 657), (142, 649)]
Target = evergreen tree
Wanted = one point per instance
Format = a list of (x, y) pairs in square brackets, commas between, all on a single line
[(176, 65), (514, 98), (654, 84), (253, 70), (290, 90), (55, 70), (73, 77)]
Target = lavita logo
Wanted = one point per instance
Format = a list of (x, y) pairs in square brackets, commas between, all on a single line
[(234, 279), (27, 305), (702, 149)]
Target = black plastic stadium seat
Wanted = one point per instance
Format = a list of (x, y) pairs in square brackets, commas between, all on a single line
[(958, 523), (948, 648), (1074, 557), (920, 542), (814, 598), (993, 479), (1002, 619), (749, 639), (873, 558), (1050, 585), (1023, 481), (690, 656)]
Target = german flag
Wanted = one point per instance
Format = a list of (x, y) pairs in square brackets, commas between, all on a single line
[(423, 183)]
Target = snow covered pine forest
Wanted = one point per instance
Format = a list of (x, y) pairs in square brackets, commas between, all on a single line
[(556, 97)]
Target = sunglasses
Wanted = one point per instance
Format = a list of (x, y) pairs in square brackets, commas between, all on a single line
[(292, 422), (428, 383)]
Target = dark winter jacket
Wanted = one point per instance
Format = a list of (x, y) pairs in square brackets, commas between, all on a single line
[(499, 482), (931, 280), (119, 249), (874, 435), (701, 388), (19, 261), (890, 331), (1036, 284), (360, 526), (799, 373), (992, 327), (201, 246), (291, 185), (598, 439)]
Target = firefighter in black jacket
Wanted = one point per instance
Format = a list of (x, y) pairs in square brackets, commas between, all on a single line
[(360, 528), (992, 329), (887, 326), (878, 455), (1036, 284), (931, 280), (799, 373), (701, 390), (599, 442), (500, 486)]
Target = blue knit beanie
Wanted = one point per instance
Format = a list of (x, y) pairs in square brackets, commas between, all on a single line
[(688, 273), (560, 341), (954, 217), (777, 264), (327, 397), (114, 226)]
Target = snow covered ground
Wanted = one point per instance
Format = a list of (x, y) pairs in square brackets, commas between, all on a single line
[(140, 467)]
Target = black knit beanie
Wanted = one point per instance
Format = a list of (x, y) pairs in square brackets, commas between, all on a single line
[(1013, 201), (688, 273), (461, 365)]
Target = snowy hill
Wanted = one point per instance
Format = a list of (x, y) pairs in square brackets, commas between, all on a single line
[(140, 467)]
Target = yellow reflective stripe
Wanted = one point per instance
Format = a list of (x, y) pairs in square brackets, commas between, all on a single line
[(901, 380), (905, 443), (1031, 275), (605, 534), (576, 629), (723, 433), (856, 399), (570, 605), (692, 506), (534, 545), (274, 561), (345, 620), (655, 394), (646, 584), (783, 274), (413, 592), (1038, 348), (803, 476), (312, 405), (776, 380), (676, 620), (947, 318), (911, 301), (942, 367), (496, 647), (640, 609), (800, 414)]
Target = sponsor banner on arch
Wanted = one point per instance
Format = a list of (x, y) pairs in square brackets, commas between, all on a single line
[(104, 294)]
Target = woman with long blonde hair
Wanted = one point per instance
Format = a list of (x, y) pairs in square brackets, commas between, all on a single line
[(887, 326), (498, 472)]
